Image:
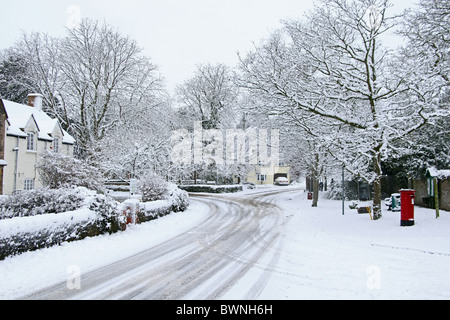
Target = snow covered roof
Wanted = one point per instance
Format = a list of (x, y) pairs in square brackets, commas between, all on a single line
[(19, 116), (441, 174)]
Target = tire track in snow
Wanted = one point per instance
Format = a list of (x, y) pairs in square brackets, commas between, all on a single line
[(204, 262)]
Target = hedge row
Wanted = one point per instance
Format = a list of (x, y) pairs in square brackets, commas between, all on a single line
[(211, 189), (98, 215), (43, 201), (177, 201), (21, 234)]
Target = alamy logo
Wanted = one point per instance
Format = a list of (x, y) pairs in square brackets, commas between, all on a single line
[(225, 147), (374, 17), (74, 19), (73, 278), (374, 279)]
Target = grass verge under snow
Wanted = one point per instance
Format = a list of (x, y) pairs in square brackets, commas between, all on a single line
[(330, 256)]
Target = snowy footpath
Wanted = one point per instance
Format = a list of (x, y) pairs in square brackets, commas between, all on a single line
[(331, 256), (325, 255)]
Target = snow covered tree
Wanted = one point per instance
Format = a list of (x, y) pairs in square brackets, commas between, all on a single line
[(140, 143), (209, 95), (209, 98), (107, 78), (38, 54), (331, 72), (14, 85), (427, 52), (91, 79), (427, 30)]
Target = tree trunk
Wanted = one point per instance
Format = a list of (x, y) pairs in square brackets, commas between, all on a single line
[(377, 210), (315, 191), (315, 178)]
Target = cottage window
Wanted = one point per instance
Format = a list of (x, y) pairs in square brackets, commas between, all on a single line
[(29, 184), (30, 141), (430, 187), (56, 145), (262, 177)]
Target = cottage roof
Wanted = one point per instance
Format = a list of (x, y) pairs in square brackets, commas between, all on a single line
[(19, 115), (435, 173)]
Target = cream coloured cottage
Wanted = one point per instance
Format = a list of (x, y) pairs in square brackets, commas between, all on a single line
[(267, 174), (27, 133)]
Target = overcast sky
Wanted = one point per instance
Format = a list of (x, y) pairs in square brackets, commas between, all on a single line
[(176, 34)]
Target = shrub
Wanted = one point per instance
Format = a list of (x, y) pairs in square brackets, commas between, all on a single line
[(175, 200), (43, 201), (108, 219), (153, 187), (180, 198), (211, 189), (79, 213), (57, 170), (335, 191)]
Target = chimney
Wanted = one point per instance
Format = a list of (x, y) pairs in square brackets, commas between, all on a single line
[(35, 100)]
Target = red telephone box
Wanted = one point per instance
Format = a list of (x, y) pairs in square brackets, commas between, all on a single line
[(407, 207)]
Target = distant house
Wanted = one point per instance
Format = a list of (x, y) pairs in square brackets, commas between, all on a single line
[(26, 133), (425, 189), (267, 174)]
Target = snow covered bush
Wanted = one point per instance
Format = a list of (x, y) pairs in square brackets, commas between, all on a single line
[(57, 170), (149, 211), (174, 200), (77, 213), (212, 189), (153, 187), (108, 219), (179, 198), (38, 219), (43, 201), (23, 234), (335, 191)]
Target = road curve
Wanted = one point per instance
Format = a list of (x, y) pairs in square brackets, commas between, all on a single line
[(203, 263)]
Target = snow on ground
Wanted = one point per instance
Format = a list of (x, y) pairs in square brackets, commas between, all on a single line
[(330, 256), (325, 255), (31, 271)]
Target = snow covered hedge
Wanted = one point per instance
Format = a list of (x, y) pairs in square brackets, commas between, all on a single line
[(28, 226), (174, 200), (44, 201), (335, 191), (43, 218), (211, 189)]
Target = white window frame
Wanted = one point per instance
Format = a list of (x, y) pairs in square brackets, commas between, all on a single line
[(430, 186), (56, 145), (31, 141), (262, 177), (28, 184)]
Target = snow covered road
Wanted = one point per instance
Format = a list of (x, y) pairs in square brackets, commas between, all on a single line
[(239, 234), (266, 243)]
